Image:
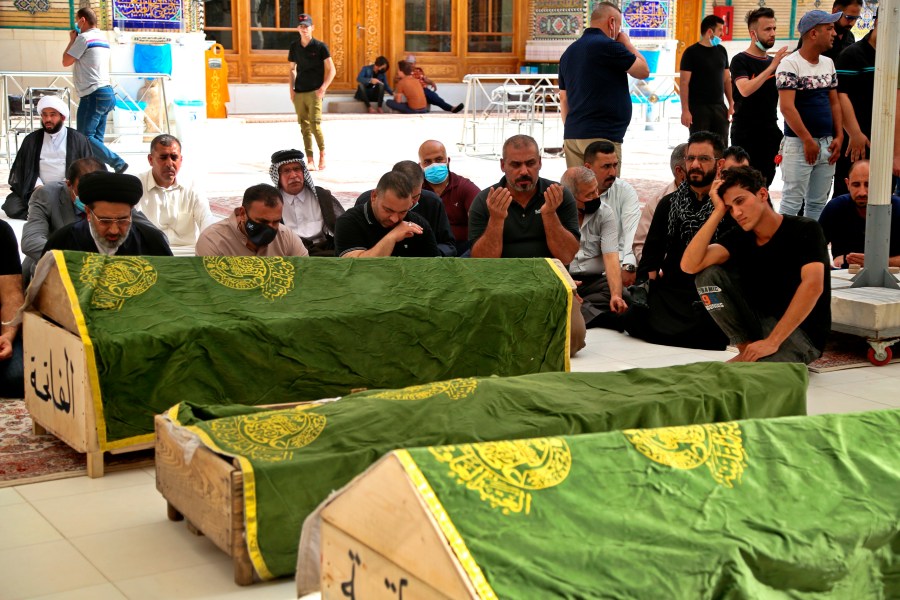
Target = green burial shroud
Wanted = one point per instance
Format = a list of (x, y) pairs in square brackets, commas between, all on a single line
[(254, 330), (292, 459), (796, 507)]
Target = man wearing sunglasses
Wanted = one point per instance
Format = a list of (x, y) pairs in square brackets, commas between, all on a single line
[(109, 227), (843, 38)]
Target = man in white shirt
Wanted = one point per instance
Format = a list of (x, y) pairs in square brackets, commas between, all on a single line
[(309, 211), (44, 156), (600, 157), (176, 208)]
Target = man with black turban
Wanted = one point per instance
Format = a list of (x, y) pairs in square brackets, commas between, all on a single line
[(110, 227)]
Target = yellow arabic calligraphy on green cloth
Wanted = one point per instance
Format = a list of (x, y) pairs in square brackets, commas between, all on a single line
[(455, 389), (506, 473), (273, 275), (269, 437), (115, 279), (719, 446)]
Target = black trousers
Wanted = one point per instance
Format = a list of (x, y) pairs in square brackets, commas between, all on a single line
[(710, 117), (762, 146), (370, 93)]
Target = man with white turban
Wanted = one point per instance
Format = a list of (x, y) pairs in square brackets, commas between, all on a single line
[(44, 156)]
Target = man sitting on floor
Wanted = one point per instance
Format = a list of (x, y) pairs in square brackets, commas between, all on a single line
[(527, 216), (175, 206), (596, 266), (253, 229), (309, 211), (12, 370), (430, 87), (456, 192), (671, 313), (774, 299), (676, 164), (600, 157), (425, 203), (844, 221), (110, 227), (372, 84), (385, 225), (44, 155), (409, 97)]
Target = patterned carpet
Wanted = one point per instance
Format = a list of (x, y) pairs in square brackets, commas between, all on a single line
[(843, 351), (29, 458)]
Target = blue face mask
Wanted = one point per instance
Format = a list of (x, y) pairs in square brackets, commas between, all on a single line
[(437, 173), (79, 205), (77, 28), (715, 41), (760, 46)]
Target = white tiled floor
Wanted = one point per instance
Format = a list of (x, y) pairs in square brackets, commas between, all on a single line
[(109, 538)]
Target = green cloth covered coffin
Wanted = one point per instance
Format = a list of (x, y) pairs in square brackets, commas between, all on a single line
[(292, 459), (798, 507), (254, 330)]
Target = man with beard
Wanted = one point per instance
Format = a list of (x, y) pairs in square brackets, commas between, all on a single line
[(856, 91), (176, 207), (620, 196), (253, 229), (310, 211), (526, 216), (813, 128), (596, 266), (774, 299), (385, 224), (671, 313), (109, 227), (844, 221), (843, 38), (754, 126), (44, 155)]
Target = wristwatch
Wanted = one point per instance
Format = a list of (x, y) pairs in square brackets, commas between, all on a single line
[(629, 268)]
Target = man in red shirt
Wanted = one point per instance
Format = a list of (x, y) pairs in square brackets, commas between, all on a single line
[(455, 191)]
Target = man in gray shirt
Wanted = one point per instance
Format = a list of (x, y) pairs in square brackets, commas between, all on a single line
[(88, 52)]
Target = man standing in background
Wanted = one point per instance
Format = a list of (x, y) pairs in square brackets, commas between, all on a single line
[(755, 124), (311, 74), (705, 79), (595, 103), (88, 51)]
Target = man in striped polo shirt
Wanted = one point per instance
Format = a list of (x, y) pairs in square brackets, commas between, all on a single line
[(88, 51)]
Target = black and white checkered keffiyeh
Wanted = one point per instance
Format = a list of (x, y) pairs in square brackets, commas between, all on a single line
[(283, 157), (688, 214)]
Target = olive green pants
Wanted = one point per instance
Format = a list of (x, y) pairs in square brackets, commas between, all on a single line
[(309, 114)]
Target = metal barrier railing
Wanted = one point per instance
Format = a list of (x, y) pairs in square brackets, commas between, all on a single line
[(12, 82)]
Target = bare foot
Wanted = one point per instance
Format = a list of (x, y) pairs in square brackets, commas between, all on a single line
[(372, 110), (312, 163), (321, 161), (738, 358)]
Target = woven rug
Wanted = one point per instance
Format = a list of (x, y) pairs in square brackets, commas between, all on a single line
[(843, 351), (29, 458)]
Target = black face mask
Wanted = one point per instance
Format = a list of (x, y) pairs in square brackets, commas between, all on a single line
[(592, 206), (259, 234)]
